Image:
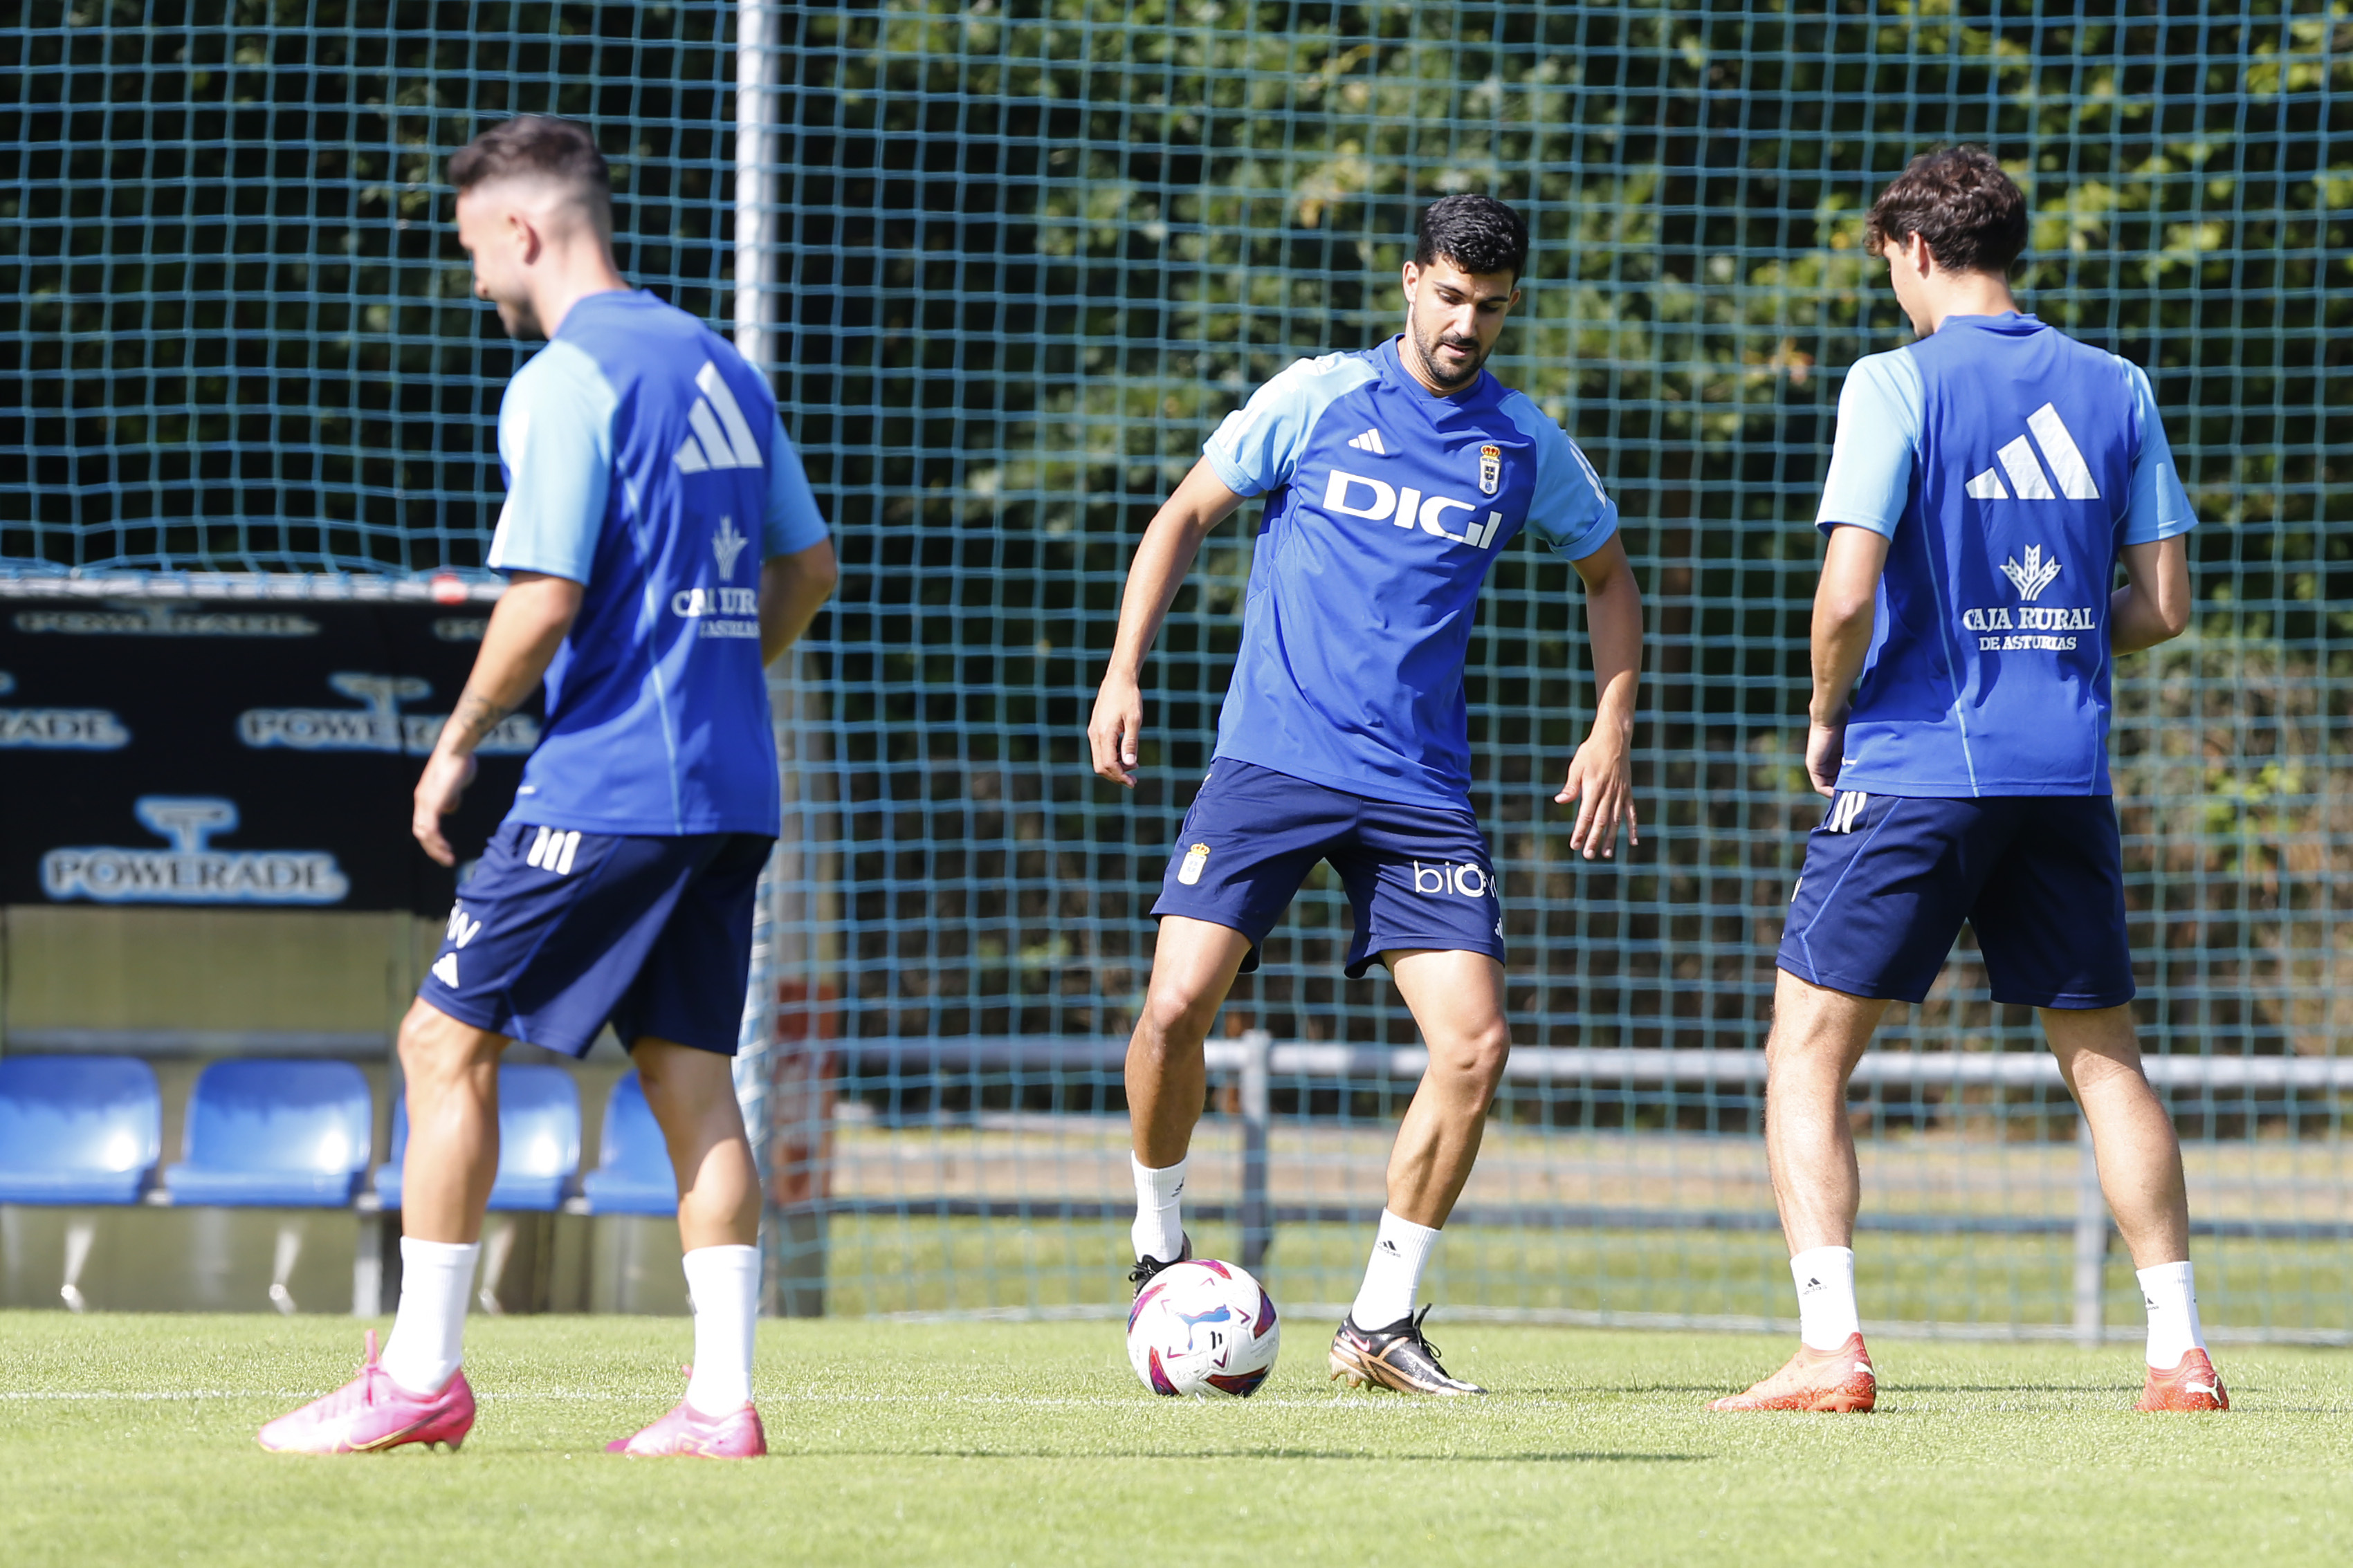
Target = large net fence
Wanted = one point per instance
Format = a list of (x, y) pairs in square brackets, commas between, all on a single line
[(1018, 260)]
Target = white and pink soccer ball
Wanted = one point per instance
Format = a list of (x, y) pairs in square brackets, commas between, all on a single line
[(1203, 1329)]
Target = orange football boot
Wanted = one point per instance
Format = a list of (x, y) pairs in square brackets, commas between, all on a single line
[(2189, 1384), (1840, 1381)]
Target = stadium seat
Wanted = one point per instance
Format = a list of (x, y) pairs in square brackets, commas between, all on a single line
[(633, 1175), (78, 1130), (290, 1134), (539, 1141)]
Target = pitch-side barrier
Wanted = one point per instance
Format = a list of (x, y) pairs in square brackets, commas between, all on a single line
[(1255, 1062)]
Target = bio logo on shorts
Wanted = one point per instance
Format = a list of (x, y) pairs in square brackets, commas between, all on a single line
[(1189, 873), (1466, 881)]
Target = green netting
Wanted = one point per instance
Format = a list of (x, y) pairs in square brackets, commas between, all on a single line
[(1025, 255)]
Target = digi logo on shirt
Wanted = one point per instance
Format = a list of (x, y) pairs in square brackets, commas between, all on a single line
[(1353, 495)]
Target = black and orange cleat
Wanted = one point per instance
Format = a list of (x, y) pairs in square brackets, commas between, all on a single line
[(1399, 1357)]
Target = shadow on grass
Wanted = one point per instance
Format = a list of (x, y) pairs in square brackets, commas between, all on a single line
[(1250, 1452)]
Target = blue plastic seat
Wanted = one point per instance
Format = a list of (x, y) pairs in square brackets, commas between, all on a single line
[(78, 1130), (539, 1141), (633, 1175), (281, 1134)]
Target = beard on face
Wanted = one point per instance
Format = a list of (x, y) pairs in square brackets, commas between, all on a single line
[(518, 319), (1427, 347)]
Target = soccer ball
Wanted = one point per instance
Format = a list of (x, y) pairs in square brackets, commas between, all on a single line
[(1205, 1328)]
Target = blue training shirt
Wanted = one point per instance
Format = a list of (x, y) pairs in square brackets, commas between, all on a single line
[(644, 459), (2007, 464), (1385, 507)]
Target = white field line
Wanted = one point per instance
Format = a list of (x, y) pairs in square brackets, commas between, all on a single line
[(1082, 1402)]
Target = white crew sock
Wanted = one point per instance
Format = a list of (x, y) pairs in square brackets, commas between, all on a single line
[(1159, 1228), (1393, 1274), (2169, 1292), (724, 1282), (428, 1335), (1826, 1309)]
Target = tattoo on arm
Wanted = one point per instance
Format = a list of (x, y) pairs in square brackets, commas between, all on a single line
[(476, 716)]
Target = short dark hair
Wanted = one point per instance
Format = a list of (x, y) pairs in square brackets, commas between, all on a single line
[(1478, 234), (1957, 199), (541, 146)]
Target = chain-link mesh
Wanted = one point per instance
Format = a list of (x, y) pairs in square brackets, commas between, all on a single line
[(1026, 256)]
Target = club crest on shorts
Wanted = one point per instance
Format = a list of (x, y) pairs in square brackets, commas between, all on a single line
[(1491, 470), (1189, 873)]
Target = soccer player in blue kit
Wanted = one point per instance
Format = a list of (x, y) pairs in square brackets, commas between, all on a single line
[(1985, 484), (662, 546), (1392, 477)]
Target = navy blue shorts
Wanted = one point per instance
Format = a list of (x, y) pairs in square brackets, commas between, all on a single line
[(558, 933), (1888, 881), (1417, 878)]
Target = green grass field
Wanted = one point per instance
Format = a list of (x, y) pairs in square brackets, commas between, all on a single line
[(127, 1439)]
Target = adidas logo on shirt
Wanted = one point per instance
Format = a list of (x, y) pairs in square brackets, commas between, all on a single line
[(2027, 479), (721, 440), (1370, 441)]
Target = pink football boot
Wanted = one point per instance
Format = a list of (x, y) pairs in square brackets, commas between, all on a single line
[(687, 1432), (371, 1412)]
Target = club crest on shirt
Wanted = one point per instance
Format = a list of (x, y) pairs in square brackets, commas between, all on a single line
[(1491, 470)]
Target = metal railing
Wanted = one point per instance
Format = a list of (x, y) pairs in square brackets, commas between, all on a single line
[(1255, 1063)]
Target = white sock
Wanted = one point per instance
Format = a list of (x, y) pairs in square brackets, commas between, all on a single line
[(1826, 1309), (1159, 1228), (1393, 1274), (2169, 1292), (724, 1282), (428, 1335)]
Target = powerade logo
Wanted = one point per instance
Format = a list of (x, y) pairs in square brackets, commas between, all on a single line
[(191, 871), (137, 619), (378, 725), (59, 729), (1376, 501)]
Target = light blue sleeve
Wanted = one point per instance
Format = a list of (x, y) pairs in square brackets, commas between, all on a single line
[(555, 444), (792, 522), (1879, 419), (2158, 508), (1568, 508), (1257, 446)]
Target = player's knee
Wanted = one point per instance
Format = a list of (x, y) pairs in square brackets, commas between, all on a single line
[(435, 1047), (1475, 1057), (1174, 1020)]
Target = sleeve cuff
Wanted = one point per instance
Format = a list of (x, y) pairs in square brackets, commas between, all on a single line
[(2171, 528), (1878, 525), (1596, 535), (569, 570), (1232, 477)]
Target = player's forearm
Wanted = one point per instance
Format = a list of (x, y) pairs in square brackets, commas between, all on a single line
[(526, 628), (1841, 642), (1846, 604), (2153, 607), (1613, 617), (793, 589), (1162, 560)]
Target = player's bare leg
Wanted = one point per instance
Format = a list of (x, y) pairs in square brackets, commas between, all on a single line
[(1457, 1000), (416, 1392), (450, 1075), (2140, 1174), (1819, 1034), (1193, 967), (692, 1094)]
